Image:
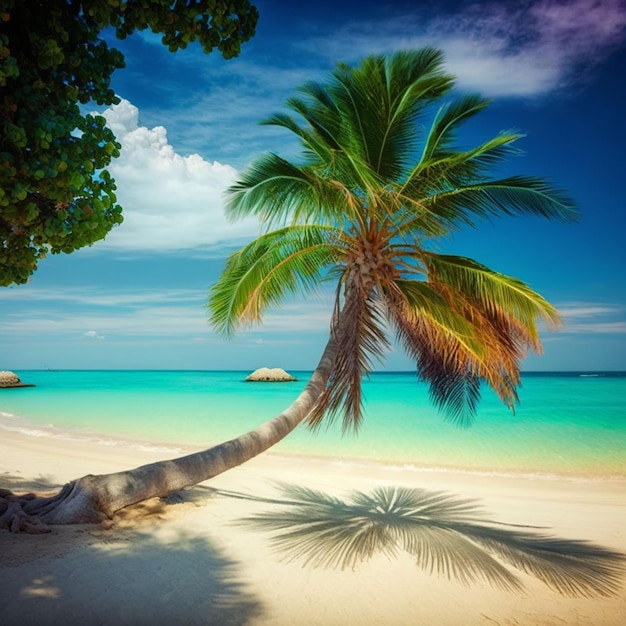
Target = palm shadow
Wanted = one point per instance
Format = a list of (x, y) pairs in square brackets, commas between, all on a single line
[(447, 535)]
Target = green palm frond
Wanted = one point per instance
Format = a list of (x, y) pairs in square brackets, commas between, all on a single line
[(276, 191), (319, 111), (443, 130), (286, 261), (516, 195), (446, 535), (280, 193), (455, 169), (493, 290), (309, 137), (379, 103)]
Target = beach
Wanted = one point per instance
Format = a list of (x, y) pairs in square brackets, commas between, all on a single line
[(191, 559)]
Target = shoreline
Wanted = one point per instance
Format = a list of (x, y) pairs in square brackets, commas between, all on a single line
[(176, 449), (194, 562)]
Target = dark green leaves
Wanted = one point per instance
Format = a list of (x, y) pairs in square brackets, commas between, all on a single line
[(55, 194)]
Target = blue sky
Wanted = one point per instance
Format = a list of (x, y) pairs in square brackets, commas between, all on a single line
[(188, 123)]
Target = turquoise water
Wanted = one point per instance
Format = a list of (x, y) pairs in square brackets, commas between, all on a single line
[(567, 424)]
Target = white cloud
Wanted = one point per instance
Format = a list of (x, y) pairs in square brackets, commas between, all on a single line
[(514, 49), (97, 297), (583, 310), (175, 313), (171, 202), (618, 328), (592, 318), (174, 203)]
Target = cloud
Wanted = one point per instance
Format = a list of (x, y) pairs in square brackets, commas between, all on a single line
[(517, 49), (97, 297), (174, 202), (524, 49), (164, 314), (583, 310), (592, 318), (613, 328), (171, 202)]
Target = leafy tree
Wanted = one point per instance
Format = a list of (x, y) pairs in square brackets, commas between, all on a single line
[(371, 194), (55, 195)]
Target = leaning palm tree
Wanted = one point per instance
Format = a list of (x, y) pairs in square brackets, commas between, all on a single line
[(364, 207)]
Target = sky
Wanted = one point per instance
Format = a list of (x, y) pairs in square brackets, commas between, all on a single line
[(189, 122)]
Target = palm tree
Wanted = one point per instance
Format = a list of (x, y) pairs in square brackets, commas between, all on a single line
[(364, 207), (372, 194)]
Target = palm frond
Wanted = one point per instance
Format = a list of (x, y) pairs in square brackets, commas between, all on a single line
[(289, 260), (380, 101), (360, 335), (516, 195), (447, 536), (271, 188), (286, 121), (445, 125), (450, 169), (456, 346), (320, 112), (493, 290)]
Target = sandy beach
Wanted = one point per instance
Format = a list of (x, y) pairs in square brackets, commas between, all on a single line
[(191, 560)]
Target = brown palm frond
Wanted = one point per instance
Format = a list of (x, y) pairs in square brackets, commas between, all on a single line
[(443, 354), (359, 332)]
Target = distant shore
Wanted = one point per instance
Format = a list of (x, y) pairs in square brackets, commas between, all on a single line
[(194, 561)]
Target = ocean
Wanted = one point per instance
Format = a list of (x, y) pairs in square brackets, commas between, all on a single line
[(568, 424)]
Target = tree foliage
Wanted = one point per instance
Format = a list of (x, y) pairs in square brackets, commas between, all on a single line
[(55, 195), (381, 179)]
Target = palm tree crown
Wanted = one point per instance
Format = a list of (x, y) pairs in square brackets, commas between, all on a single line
[(379, 180)]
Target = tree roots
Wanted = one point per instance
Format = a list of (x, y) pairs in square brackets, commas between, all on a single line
[(14, 518), (31, 513)]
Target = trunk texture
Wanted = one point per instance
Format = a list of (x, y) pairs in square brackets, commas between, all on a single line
[(96, 498)]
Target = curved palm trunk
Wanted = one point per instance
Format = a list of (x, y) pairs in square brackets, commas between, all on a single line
[(96, 498)]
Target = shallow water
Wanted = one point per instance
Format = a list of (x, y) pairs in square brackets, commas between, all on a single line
[(567, 424)]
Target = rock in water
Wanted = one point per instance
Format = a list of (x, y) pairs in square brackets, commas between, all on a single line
[(9, 379), (274, 375)]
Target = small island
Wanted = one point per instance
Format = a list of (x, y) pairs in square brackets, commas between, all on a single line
[(9, 380), (267, 375)]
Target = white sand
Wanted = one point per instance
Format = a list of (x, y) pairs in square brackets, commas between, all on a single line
[(191, 563)]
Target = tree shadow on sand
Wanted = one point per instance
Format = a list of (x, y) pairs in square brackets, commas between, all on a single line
[(445, 534), (141, 573)]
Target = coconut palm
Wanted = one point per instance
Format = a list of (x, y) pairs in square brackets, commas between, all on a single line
[(445, 534), (376, 187), (373, 192)]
